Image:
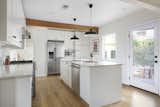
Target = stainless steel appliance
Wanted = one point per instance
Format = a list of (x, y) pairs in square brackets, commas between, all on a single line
[(55, 53), (34, 80), (76, 78)]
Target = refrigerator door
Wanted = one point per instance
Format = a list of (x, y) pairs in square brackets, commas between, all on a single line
[(55, 53), (51, 58)]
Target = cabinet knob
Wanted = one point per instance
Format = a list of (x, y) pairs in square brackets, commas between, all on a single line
[(21, 41), (14, 36)]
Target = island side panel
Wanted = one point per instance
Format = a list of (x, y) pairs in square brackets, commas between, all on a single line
[(85, 83), (105, 85)]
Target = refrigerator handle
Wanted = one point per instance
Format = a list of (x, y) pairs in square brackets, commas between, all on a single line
[(55, 54)]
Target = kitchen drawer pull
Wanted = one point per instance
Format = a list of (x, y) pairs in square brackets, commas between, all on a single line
[(21, 41)]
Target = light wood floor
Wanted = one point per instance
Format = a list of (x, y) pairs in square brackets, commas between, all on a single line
[(51, 92)]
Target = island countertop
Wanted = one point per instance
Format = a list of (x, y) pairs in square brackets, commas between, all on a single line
[(95, 63), (16, 71)]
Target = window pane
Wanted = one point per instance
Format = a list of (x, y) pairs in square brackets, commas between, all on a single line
[(113, 54), (106, 56), (109, 46)]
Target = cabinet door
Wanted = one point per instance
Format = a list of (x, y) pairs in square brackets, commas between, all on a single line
[(11, 36), (15, 22), (62, 70), (69, 75), (7, 93), (66, 72)]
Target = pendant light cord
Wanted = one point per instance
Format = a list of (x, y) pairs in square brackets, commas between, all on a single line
[(90, 16), (74, 19), (91, 7)]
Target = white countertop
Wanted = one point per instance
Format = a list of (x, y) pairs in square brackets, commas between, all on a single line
[(94, 63), (16, 71), (72, 59), (66, 59)]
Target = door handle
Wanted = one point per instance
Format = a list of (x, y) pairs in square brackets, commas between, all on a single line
[(156, 61), (155, 56)]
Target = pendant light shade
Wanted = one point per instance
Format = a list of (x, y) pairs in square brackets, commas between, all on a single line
[(91, 31), (74, 36)]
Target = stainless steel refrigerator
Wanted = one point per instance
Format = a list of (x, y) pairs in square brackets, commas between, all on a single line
[(55, 53)]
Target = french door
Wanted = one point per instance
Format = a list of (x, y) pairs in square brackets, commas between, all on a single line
[(144, 51)]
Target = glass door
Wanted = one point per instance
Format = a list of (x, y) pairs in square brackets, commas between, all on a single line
[(144, 59)]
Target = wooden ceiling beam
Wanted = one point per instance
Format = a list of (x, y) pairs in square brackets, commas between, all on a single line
[(33, 22)]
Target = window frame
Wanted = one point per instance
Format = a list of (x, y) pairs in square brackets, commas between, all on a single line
[(103, 46)]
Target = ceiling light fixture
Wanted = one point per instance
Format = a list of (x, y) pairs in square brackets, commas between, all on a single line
[(91, 31), (74, 35), (65, 6)]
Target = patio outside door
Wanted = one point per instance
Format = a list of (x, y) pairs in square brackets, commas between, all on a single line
[(144, 66)]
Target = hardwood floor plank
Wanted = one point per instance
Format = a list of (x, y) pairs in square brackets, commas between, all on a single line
[(51, 92)]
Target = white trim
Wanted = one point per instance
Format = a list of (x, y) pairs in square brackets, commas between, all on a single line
[(147, 23), (143, 4)]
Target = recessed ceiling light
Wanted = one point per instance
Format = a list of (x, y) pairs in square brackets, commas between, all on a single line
[(65, 6)]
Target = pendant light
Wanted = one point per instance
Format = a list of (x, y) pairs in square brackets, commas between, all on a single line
[(74, 35), (91, 31)]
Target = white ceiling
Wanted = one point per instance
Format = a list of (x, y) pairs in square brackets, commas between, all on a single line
[(104, 11)]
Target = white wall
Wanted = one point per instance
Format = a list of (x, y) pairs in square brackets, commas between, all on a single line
[(121, 27), (40, 36)]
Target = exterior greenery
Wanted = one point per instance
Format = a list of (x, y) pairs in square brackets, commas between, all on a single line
[(143, 52)]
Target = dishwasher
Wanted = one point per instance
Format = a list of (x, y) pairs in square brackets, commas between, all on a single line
[(76, 78)]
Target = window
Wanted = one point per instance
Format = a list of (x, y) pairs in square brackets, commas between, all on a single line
[(109, 47)]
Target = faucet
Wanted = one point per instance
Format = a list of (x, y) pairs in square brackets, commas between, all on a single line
[(91, 56)]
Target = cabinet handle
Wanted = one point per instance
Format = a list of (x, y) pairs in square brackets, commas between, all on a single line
[(21, 41), (14, 36)]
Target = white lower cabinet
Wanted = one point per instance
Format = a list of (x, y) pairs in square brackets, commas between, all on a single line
[(16, 92), (66, 74)]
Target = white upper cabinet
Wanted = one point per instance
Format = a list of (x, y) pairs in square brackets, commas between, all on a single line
[(12, 23)]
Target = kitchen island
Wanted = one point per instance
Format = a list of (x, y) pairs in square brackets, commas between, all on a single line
[(100, 82), (16, 85)]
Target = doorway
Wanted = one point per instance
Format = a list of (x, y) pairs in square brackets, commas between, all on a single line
[(144, 67)]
